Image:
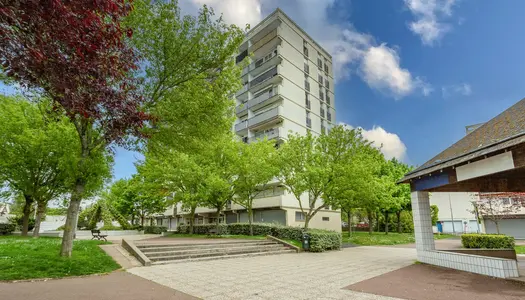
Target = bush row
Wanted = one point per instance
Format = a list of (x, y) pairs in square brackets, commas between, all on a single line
[(487, 241), (7, 228), (155, 229), (278, 231), (320, 240)]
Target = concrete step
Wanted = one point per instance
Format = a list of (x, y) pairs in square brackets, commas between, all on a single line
[(163, 262), (226, 251), (171, 251), (159, 247)]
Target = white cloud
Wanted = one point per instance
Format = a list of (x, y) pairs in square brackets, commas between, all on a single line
[(389, 143), (353, 52), (381, 70), (464, 89), (238, 12), (428, 15)]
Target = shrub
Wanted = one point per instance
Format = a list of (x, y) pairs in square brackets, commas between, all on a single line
[(203, 228), (18, 220), (287, 232), (155, 229), (7, 228), (110, 227), (487, 241), (322, 240)]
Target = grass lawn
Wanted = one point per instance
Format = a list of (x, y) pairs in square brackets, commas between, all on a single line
[(520, 249), (28, 258), (380, 238)]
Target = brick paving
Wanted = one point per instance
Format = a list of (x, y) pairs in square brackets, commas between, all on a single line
[(287, 276), (427, 282)]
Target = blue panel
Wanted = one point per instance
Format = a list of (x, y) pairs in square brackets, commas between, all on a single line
[(429, 182)]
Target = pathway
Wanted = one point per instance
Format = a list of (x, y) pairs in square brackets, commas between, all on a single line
[(287, 276), (118, 285)]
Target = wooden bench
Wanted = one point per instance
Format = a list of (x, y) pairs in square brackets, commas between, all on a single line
[(212, 231), (96, 235)]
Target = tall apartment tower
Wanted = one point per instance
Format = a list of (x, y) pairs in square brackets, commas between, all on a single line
[(288, 87)]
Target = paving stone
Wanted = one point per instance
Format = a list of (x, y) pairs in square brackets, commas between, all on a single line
[(300, 276)]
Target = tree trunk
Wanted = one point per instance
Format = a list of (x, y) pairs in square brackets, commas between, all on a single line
[(386, 222), (370, 223), (41, 209), (497, 226), (192, 219), (142, 221), (217, 221), (377, 220), (72, 219), (349, 214), (26, 214), (398, 214), (250, 219)]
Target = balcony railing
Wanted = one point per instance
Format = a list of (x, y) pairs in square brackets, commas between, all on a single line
[(257, 100), (259, 62), (268, 134), (242, 90), (265, 116), (241, 126)]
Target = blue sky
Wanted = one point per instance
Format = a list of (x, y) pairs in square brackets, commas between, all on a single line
[(411, 73)]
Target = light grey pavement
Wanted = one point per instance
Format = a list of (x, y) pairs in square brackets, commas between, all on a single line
[(286, 276)]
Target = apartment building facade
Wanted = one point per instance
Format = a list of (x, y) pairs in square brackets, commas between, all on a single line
[(288, 87)]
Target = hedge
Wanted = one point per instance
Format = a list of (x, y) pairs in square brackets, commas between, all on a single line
[(487, 241), (320, 240), (155, 229), (7, 228)]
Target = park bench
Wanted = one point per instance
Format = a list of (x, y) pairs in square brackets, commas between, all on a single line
[(96, 235), (212, 231)]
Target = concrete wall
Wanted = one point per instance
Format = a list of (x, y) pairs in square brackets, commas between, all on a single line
[(319, 220)]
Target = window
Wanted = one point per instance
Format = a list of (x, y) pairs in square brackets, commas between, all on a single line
[(299, 216), (323, 129), (306, 68), (321, 95), (329, 116), (506, 201), (159, 222), (307, 100), (306, 85), (245, 139), (308, 120), (320, 79), (327, 98), (322, 112), (320, 63), (325, 67), (327, 83), (326, 218)]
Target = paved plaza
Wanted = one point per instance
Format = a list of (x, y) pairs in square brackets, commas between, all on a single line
[(287, 276)]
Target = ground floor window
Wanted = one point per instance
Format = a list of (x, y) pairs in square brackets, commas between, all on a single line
[(299, 216), (326, 218)]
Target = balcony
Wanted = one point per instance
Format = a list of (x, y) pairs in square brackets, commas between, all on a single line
[(265, 98), (274, 133), (243, 125), (270, 77), (273, 114), (268, 59), (243, 90)]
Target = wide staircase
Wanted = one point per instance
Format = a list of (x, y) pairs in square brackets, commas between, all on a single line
[(173, 253)]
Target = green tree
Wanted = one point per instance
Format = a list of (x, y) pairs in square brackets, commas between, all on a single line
[(310, 166), (219, 165), (37, 147), (256, 167), (178, 174), (189, 73)]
